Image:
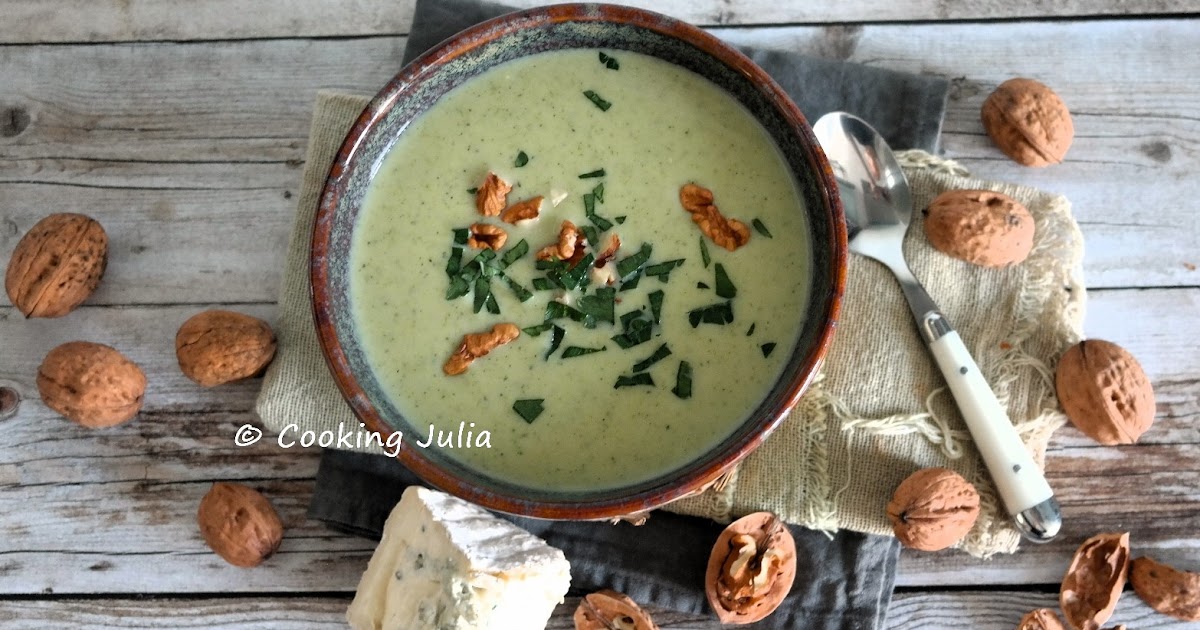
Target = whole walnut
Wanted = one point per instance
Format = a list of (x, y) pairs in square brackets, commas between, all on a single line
[(239, 524), (1104, 392), (216, 347), (933, 509), (56, 265), (1167, 589), (1028, 122), (91, 383), (982, 227)]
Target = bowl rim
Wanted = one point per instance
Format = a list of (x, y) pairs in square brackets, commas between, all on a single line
[(727, 453)]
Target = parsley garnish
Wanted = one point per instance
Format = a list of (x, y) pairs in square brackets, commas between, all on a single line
[(663, 270), (473, 191), (521, 292), (609, 62), (632, 283), (719, 314), (620, 220), (600, 305), (725, 286), (641, 378), (767, 349), (597, 101), (701, 285), (704, 253), (571, 352), (751, 331), (639, 332), (627, 266), (762, 229), (529, 408), (683, 381), (599, 192), (558, 310), (543, 284), (522, 159), (661, 353), (514, 254), (589, 210), (656, 300), (461, 235), (534, 331), (556, 337), (590, 174)]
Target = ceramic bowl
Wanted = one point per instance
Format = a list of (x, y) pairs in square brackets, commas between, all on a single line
[(419, 85)]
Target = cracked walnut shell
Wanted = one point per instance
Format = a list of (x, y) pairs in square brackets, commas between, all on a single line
[(217, 347), (1094, 581), (1104, 392), (751, 568), (933, 509), (91, 384), (56, 265), (1167, 589), (1028, 122), (239, 524), (982, 227), (1040, 619), (606, 609)]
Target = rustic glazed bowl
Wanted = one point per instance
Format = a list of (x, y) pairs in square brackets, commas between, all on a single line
[(419, 86)]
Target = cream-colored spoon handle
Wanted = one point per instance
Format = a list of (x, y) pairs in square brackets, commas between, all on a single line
[(1018, 479)]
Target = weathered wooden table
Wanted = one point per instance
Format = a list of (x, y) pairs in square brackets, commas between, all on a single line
[(181, 126)]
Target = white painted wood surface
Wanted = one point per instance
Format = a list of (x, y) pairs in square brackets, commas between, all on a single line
[(187, 143)]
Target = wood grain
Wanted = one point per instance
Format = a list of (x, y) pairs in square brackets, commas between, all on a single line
[(190, 154), (43, 21), (979, 610)]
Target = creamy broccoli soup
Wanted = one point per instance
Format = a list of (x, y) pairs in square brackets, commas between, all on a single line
[(605, 370)]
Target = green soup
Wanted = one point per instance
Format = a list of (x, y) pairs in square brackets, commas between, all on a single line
[(530, 122)]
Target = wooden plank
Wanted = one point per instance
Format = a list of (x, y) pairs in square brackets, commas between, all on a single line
[(190, 153), (41, 21), (113, 511), (981, 610)]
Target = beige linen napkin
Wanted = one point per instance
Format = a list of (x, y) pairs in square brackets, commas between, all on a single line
[(880, 410)]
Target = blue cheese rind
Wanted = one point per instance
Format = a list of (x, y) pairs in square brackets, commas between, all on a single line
[(446, 564)]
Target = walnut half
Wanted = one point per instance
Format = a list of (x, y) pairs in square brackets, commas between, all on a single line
[(751, 568), (476, 345), (728, 233)]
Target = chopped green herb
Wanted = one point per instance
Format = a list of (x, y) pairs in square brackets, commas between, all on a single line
[(683, 381), (762, 229), (627, 266), (599, 192), (551, 264), (556, 337), (521, 292), (704, 252), (454, 264), (631, 283), (640, 332), (558, 310), (534, 331), (543, 284), (483, 290), (459, 286), (620, 220), (597, 101), (663, 270), (660, 354), (529, 408), (628, 318), (590, 174), (719, 314), (575, 277), (656, 300), (522, 159), (461, 235), (473, 191), (591, 234), (725, 286), (701, 285), (751, 331), (600, 305), (609, 62), (641, 378), (589, 210), (514, 254), (570, 352), (490, 304), (767, 349)]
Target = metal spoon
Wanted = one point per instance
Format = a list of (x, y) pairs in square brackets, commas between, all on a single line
[(878, 207)]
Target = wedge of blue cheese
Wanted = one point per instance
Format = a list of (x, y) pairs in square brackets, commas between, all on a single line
[(446, 564)]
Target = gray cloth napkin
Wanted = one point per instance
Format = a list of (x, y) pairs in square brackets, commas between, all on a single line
[(842, 583)]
